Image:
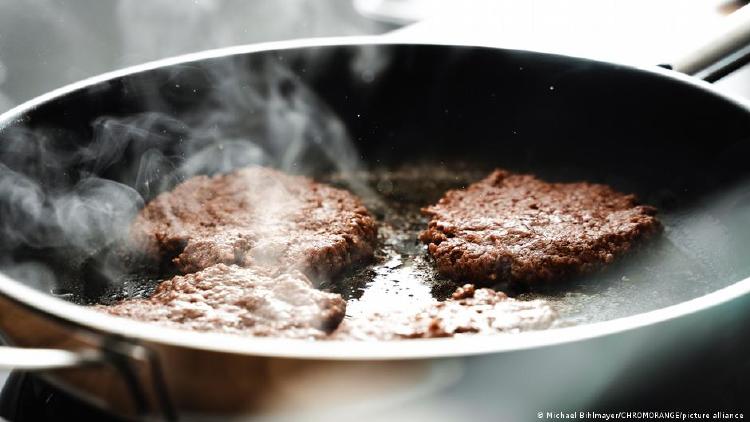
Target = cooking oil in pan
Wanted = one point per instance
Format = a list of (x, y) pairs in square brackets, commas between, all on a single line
[(667, 270)]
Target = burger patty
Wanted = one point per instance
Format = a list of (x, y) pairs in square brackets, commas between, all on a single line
[(233, 299), (512, 227), (468, 311), (256, 217)]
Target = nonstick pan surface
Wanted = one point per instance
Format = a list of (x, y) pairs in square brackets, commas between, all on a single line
[(416, 120)]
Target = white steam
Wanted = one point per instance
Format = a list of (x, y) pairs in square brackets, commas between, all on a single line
[(59, 193), (95, 213), (79, 198)]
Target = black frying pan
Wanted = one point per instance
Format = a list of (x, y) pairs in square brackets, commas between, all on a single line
[(398, 124)]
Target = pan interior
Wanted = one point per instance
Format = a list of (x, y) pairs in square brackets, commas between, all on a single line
[(676, 266), (692, 257), (428, 119)]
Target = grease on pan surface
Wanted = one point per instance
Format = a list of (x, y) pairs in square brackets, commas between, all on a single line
[(658, 273), (467, 311), (402, 277)]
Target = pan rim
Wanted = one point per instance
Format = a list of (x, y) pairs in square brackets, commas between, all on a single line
[(11, 116), (430, 348), (355, 350)]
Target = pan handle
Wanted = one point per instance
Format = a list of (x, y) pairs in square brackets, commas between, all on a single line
[(115, 353), (43, 359), (723, 53)]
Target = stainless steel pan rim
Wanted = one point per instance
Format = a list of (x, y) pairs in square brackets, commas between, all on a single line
[(359, 350), (330, 350), (395, 39)]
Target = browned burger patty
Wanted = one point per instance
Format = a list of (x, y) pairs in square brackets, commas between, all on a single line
[(232, 299), (257, 217), (511, 227), (468, 311)]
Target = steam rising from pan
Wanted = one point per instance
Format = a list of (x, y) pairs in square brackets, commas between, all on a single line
[(248, 113)]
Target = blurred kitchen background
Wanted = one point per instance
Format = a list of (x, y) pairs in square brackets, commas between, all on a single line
[(45, 44)]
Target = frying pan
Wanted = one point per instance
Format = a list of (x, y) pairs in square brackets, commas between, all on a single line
[(415, 119)]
